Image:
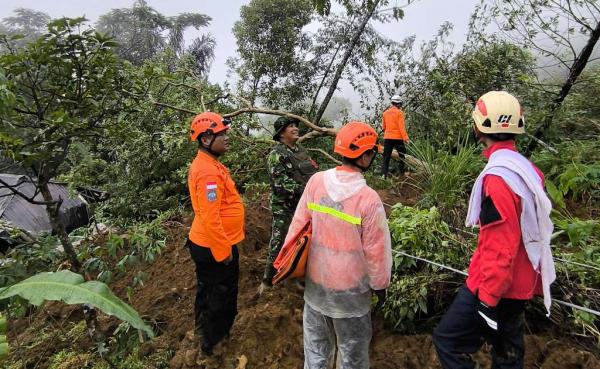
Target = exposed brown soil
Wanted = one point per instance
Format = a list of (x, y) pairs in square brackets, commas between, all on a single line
[(268, 330)]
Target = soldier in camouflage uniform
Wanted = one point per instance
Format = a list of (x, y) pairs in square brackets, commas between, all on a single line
[(289, 167)]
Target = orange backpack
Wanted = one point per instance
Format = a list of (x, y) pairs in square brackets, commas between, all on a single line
[(291, 261)]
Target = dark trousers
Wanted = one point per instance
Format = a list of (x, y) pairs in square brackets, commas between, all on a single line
[(462, 332), (388, 146), (216, 295)]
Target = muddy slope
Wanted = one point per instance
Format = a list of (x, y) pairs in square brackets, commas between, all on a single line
[(267, 333)]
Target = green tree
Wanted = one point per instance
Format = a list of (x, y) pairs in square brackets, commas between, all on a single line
[(28, 23), (143, 33), (142, 159), (63, 88), (553, 30), (305, 77), (271, 49), (440, 86)]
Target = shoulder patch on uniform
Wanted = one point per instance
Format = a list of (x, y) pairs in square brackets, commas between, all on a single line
[(489, 214), (211, 191)]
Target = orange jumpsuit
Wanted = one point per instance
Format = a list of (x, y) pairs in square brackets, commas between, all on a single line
[(393, 124), (218, 208)]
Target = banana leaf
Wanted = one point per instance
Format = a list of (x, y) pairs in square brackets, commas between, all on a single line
[(72, 289)]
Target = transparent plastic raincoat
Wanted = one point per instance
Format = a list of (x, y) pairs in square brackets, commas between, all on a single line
[(351, 249)]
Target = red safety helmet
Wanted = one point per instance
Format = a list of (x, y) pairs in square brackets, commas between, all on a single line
[(207, 122), (354, 139)]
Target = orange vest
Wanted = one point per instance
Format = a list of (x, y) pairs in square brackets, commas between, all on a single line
[(218, 208), (393, 124)]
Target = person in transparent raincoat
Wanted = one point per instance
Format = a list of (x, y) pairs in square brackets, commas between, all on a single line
[(350, 256)]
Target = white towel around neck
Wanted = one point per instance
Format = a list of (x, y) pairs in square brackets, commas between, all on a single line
[(536, 225)]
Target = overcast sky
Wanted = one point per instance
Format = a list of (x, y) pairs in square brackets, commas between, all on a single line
[(422, 19)]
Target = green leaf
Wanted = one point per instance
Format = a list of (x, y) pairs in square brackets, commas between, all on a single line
[(72, 289), (3, 340), (423, 306), (555, 194), (3, 350)]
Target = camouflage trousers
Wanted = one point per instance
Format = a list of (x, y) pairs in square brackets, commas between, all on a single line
[(282, 217)]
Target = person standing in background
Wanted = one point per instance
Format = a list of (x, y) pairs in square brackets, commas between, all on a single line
[(394, 135)]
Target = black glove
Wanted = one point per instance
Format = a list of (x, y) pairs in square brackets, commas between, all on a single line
[(489, 315), (380, 297)]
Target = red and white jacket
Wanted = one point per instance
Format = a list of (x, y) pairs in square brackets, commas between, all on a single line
[(500, 267)]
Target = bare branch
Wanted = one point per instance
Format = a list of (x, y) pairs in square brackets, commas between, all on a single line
[(313, 134), (326, 155), (550, 148), (245, 101), (216, 99), (29, 199), (183, 84), (320, 131), (183, 110), (577, 19)]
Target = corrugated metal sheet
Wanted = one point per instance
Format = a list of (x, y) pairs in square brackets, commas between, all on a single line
[(33, 218)]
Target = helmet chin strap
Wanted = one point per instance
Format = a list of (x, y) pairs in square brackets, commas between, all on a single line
[(364, 169), (209, 148)]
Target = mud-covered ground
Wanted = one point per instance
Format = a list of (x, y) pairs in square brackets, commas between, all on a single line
[(267, 333)]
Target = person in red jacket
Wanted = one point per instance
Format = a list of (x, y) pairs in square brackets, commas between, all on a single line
[(394, 135), (217, 227), (489, 307)]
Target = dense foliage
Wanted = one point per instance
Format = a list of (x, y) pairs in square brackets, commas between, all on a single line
[(109, 108)]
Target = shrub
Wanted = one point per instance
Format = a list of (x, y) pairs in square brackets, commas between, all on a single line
[(418, 289), (445, 178)]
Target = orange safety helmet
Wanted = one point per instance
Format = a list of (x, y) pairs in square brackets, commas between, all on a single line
[(354, 139), (207, 122)]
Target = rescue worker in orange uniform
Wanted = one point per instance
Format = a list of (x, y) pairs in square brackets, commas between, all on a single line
[(217, 227), (394, 136), (350, 254)]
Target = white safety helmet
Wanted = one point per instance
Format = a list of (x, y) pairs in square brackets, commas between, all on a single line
[(499, 112), (396, 99)]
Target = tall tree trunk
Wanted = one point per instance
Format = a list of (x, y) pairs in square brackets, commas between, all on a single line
[(340, 68), (576, 69), (314, 101), (57, 225)]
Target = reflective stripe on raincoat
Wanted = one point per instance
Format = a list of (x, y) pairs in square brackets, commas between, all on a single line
[(351, 248)]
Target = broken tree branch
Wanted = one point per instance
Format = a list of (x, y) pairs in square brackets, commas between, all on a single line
[(320, 131), (550, 148), (326, 155)]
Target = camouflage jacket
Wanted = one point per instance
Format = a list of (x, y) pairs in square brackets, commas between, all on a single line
[(289, 171)]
